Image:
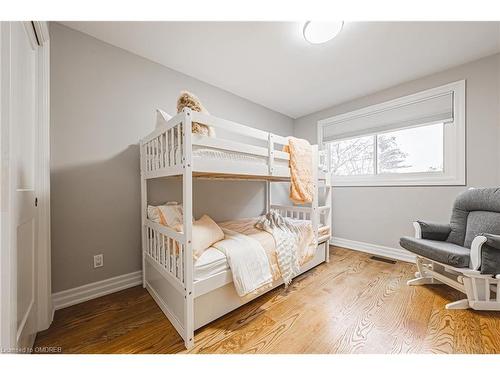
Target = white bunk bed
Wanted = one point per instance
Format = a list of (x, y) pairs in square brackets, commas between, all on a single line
[(168, 270)]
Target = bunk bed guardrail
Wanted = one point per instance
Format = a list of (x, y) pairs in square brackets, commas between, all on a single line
[(165, 148)]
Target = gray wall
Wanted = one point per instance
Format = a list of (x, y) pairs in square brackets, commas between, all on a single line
[(380, 215), (102, 102)]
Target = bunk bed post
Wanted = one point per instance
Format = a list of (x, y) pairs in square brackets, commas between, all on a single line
[(328, 203), (268, 196), (328, 197), (144, 203), (187, 194), (270, 148), (315, 211)]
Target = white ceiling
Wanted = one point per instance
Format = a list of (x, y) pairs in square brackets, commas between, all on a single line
[(271, 64)]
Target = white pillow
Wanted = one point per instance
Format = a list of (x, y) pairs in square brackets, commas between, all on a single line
[(161, 117)]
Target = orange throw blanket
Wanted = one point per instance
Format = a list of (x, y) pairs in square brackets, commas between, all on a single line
[(301, 188)]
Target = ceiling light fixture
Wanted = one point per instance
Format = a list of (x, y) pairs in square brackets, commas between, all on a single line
[(321, 32)]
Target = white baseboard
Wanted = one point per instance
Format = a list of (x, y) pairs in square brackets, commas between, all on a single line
[(383, 251), (93, 290)]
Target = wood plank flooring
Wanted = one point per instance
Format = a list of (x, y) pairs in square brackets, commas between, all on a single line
[(351, 305)]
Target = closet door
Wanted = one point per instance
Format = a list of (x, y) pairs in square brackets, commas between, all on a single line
[(23, 120), (25, 305)]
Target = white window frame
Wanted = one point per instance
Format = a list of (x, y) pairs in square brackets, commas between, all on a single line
[(454, 165)]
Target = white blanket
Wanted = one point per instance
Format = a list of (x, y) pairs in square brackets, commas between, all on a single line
[(248, 262), (287, 235)]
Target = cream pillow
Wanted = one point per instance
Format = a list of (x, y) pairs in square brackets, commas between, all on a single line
[(170, 214), (205, 233)]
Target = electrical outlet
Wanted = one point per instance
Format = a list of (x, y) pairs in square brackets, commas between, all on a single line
[(98, 261)]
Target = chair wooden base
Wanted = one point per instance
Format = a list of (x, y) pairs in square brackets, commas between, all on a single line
[(461, 304), (482, 291), (420, 281)]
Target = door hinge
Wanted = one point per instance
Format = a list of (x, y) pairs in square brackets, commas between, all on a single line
[(36, 201)]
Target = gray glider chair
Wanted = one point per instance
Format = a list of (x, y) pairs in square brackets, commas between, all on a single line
[(464, 254)]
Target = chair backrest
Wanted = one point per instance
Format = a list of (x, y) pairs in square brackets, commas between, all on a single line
[(475, 211)]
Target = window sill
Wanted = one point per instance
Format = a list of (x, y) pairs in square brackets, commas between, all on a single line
[(399, 180)]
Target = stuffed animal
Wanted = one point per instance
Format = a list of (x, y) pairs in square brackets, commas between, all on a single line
[(186, 99)]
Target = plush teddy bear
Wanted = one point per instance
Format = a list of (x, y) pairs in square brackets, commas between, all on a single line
[(186, 99)]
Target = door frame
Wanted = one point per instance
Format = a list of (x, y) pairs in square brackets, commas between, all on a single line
[(8, 273), (45, 310)]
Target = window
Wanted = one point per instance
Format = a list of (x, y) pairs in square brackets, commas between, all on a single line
[(414, 140)]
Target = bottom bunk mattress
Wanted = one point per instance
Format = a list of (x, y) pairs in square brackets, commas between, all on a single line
[(210, 263), (213, 261)]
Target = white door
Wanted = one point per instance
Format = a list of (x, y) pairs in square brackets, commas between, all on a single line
[(21, 107), (23, 116), (25, 304)]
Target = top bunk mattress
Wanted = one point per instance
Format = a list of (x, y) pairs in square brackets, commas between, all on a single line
[(213, 154)]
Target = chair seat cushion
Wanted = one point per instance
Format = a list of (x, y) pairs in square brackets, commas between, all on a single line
[(439, 251)]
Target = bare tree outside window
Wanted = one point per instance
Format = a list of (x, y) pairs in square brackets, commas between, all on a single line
[(390, 156), (353, 156), (418, 149), (413, 150)]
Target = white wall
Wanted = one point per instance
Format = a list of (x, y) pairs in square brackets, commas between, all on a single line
[(102, 102), (381, 215)]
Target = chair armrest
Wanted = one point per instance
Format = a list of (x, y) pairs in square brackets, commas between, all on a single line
[(431, 231), (487, 254), (475, 252)]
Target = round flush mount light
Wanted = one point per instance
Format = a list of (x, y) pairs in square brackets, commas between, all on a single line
[(321, 32)]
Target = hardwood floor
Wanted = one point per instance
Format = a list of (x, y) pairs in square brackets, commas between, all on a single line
[(351, 305)]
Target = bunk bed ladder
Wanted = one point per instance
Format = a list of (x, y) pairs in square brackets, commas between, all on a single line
[(326, 165), (328, 219)]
